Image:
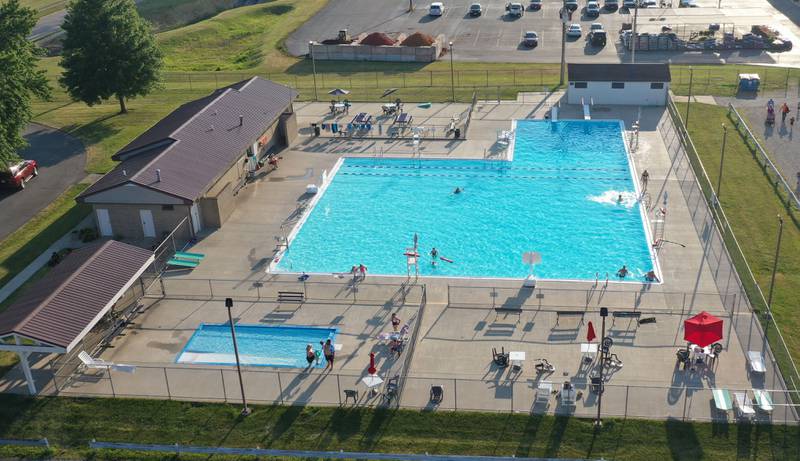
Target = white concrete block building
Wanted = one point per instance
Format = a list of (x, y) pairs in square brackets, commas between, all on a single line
[(622, 84)]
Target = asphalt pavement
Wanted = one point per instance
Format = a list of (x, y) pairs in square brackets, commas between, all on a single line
[(61, 160), (495, 37)]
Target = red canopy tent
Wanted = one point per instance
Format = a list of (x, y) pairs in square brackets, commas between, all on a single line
[(703, 329)]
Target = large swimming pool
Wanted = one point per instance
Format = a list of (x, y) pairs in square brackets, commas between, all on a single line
[(259, 345), (559, 196)]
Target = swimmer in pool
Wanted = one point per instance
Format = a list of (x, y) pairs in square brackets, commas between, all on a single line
[(434, 254), (457, 191), (619, 199)]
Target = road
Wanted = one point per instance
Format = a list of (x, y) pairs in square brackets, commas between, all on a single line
[(494, 37), (61, 160)]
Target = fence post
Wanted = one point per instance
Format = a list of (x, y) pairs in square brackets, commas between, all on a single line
[(110, 380), (685, 398), (627, 390), (190, 81), (280, 387), (210, 289), (224, 391), (430, 75), (166, 380), (455, 394), (339, 388)]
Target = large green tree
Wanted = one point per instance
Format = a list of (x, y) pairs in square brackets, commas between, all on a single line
[(20, 80), (109, 50)]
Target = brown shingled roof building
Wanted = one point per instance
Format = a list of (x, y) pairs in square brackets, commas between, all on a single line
[(190, 164)]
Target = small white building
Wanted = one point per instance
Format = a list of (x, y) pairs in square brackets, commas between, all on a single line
[(624, 84)]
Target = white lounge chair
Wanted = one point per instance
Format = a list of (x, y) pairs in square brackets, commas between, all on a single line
[(743, 406), (543, 391), (756, 362), (763, 400), (90, 362)]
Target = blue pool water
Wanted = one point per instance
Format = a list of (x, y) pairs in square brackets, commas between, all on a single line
[(259, 345), (558, 197)]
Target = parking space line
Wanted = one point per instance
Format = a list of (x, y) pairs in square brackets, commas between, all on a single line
[(477, 36)]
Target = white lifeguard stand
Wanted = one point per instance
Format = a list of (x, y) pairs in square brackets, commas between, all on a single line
[(658, 227), (412, 258), (531, 258)]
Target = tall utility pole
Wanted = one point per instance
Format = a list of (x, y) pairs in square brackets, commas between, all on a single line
[(452, 74), (313, 68), (229, 305), (721, 160), (634, 37), (689, 98), (775, 263), (564, 19), (601, 387)]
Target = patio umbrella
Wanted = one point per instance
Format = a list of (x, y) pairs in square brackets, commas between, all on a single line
[(590, 335), (371, 370), (338, 92), (703, 329), (388, 92)]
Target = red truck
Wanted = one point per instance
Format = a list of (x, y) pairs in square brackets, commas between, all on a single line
[(17, 175)]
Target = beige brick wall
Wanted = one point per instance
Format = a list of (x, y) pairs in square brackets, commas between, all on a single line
[(126, 222)]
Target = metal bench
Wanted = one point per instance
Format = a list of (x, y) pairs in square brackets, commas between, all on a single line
[(183, 263), (560, 314), (291, 296), (190, 256), (625, 315)]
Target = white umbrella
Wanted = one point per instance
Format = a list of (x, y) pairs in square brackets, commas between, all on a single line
[(372, 381)]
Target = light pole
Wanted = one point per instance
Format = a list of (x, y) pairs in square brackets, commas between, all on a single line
[(689, 99), (313, 67), (563, 42), (452, 74), (721, 160), (600, 388), (229, 305), (634, 38), (775, 263)]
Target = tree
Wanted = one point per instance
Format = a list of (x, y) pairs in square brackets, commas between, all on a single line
[(20, 80), (109, 50)]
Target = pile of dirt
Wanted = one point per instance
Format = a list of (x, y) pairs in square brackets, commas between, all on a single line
[(377, 39), (418, 39)]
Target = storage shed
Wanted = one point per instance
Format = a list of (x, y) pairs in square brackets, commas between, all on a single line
[(621, 84)]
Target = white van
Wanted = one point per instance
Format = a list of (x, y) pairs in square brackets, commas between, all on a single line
[(436, 9)]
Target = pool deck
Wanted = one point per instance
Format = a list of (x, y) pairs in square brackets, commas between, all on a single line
[(458, 326)]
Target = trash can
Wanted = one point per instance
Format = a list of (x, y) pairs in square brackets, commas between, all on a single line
[(315, 127), (457, 133)]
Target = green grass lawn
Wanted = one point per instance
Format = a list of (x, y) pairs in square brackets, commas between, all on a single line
[(752, 206), (169, 14), (72, 423)]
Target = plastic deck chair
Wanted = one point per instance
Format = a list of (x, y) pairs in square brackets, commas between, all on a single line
[(743, 406), (437, 393), (755, 360)]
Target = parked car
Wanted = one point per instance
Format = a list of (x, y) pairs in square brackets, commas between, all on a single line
[(530, 39), (611, 5), (436, 9), (629, 4), (536, 4), (688, 4), (595, 26), (593, 9), (574, 30), (598, 38), (571, 5), (515, 9), (648, 4), (17, 175), (475, 9)]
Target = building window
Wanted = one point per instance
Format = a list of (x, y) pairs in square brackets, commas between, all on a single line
[(167, 207), (657, 86), (618, 85), (580, 85)]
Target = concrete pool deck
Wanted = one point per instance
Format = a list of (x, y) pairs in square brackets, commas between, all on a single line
[(458, 325)]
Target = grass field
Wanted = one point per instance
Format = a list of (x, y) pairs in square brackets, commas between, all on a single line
[(45, 7), (169, 14), (72, 423), (752, 206)]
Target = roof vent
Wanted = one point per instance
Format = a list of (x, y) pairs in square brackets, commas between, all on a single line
[(124, 173), (158, 175), (211, 128), (241, 120)]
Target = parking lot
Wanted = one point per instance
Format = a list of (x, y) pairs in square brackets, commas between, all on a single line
[(494, 36)]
